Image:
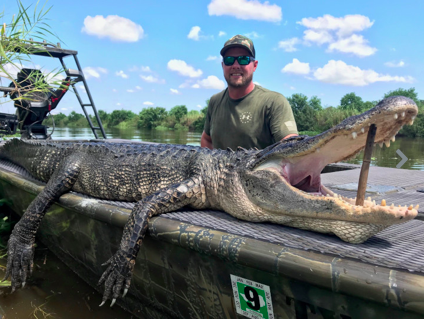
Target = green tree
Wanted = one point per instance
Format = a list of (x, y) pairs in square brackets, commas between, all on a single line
[(118, 116), (315, 103), (178, 111), (151, 117), (351, 102), (303, 112), (104, 116), (74, 117)]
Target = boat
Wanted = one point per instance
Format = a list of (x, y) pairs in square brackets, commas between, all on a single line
[(207, 264)]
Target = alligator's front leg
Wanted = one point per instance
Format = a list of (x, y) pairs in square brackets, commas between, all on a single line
[(118, 274), (20, 247)]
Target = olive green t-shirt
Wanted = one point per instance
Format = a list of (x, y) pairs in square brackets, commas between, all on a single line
[(258, 119)]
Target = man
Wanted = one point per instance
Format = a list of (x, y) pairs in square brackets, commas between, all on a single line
[(245, 114)]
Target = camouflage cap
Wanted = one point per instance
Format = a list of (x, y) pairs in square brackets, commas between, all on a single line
[(239, 41)]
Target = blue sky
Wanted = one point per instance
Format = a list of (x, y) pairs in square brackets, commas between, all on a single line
[(137, 54)]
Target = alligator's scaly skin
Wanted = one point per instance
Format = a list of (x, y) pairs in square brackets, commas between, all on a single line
[(279, 184)]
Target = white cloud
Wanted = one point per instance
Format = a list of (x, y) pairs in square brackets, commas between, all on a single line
[(114, 27), (257, 83), (339, 33), (253, 35), (288, 45), (342, 26), (338, 72), (63, 109), (292, 88), (355, 44), (175, 91), (118, 104), (393, 64), (184, 69), (222, 33), (130, 91), (246, 10), (138, 88), (152, 79), (317, 36), (297, 67), (93, 72), (114, 90), (148, 103), (121, 74), (194, 33), (199, 106), (82, 88), (212, 58), (211, 82)]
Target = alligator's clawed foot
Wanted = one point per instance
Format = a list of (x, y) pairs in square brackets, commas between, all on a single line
[(19, 262), (117, 276)]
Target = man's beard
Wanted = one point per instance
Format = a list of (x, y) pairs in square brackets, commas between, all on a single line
[(245, 81)]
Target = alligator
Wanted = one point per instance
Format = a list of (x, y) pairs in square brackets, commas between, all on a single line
[(279, 184)]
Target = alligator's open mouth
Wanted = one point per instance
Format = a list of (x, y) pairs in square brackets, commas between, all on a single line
[(300, 162)]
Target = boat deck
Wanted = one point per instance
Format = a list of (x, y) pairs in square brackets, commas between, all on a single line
[(397, 186)]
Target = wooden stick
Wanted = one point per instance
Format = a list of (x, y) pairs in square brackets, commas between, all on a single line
[(363, 177)]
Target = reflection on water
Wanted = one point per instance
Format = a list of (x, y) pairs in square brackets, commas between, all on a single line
[(413, 148)]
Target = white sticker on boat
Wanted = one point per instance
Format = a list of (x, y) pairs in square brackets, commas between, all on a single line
[(252, 299)]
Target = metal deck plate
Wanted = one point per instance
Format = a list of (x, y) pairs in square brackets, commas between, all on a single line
[(399, 246)]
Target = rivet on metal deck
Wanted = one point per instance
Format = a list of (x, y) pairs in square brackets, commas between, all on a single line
[(400, 246)]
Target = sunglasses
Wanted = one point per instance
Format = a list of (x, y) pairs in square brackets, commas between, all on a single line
[(242, 60)]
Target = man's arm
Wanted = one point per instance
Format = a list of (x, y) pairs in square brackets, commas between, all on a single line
[(206, 141)]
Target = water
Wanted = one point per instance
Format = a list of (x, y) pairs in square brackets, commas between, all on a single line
[(55, 289)]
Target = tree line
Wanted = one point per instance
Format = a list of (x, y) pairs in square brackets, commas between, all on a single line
[(311, 117)]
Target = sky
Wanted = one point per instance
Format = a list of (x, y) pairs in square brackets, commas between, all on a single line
[(144, 53)]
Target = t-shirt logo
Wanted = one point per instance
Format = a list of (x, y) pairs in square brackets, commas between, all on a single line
[(246, 117)]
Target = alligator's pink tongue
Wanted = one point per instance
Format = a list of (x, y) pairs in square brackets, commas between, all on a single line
[(309, 184)]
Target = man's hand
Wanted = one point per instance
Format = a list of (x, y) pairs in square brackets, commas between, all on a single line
[(206, 141), (286, 137)]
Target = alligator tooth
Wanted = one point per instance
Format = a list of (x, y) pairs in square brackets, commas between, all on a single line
[(362, 130), (383, 202), (369, 198), (403, 114), (396, 116), (411, 122), (354, 135), (409, 207), (387, 143), (417, 206), (374, 202), (381, 144), (392, 206), (393, 138)]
